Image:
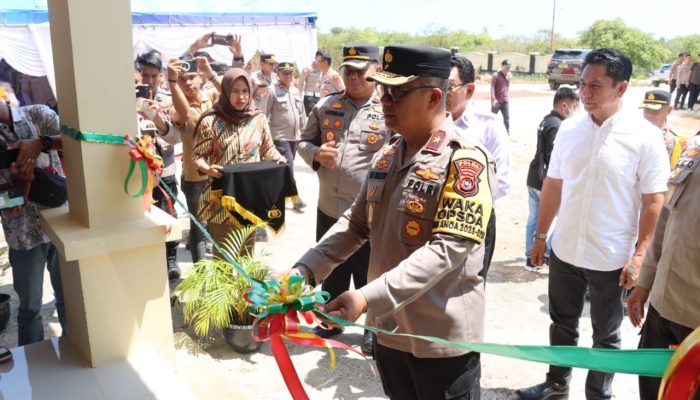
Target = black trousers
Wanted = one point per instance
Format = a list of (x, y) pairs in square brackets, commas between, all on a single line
[(502, 106), (309, 103), (489, 245), (567, 289), (681, 94), (288, 149), (407, 377), (694, 91), (160, 197), (193, 192), (658, 332), (354, 267)]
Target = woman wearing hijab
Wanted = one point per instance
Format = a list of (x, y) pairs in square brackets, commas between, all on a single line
[(234, 131)]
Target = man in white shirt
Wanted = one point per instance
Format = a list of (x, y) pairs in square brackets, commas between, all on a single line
[(486, 130), (606, 179)]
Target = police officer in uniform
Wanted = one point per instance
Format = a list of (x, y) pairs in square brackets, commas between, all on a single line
[(309, 84), (424, 207), (342, 135), (286, 115), (264, 79), (330, 79), (657, 107), (669, 274)]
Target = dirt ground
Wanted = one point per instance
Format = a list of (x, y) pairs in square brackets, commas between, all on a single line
[(516, 299)]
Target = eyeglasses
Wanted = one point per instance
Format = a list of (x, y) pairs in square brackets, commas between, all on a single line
[(454, 88), (397, 92)]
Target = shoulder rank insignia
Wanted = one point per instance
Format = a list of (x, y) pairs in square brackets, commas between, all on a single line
[(389, 151), (377, 108), (436, 141), (374, 126), (372, 138), (428, 174), (337, 105), (383, 163), (337, 123), (330, 136), (326, 122)]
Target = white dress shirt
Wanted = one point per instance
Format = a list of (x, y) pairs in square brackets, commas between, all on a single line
[(605, 170), (486, 130)]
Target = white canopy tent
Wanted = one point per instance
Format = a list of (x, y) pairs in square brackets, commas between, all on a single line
[(286, 29)]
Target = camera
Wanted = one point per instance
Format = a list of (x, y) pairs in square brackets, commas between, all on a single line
[(142, 91), (188, 65), (225, 40), (13, 197)]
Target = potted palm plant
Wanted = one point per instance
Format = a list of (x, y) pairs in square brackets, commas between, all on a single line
[(213, 291)]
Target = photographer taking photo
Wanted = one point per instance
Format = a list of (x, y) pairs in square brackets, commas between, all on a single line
[(34, 131)]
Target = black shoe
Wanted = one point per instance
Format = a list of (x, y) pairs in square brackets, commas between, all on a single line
[(173, 273), (367, 346), (547, 390), (326, 333)]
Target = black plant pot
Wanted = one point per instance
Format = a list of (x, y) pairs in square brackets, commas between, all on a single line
[(240, 338), (4, 310)]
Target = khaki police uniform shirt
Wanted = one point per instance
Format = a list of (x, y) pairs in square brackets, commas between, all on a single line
[(309, 82), (185, 133), (425, 218), (263, 86), (285, 112), (671, 269), (359, 132), (331, 82)]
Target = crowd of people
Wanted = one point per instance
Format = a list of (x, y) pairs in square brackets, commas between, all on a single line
[(410, 175), (685, 76)]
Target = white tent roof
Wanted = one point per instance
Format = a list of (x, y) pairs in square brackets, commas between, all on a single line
[(286, 29)]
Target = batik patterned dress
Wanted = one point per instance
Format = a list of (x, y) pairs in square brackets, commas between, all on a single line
[(221, 143)]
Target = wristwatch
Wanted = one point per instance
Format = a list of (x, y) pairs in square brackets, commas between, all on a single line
[(540, 235), (46, 143)]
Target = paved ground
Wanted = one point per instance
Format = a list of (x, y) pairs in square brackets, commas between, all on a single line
[(516, 299)]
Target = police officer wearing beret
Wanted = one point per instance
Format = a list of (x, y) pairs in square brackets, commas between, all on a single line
[(424, 207), (343, 133)]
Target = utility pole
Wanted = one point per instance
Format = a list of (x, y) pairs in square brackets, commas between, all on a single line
[(551, 34)]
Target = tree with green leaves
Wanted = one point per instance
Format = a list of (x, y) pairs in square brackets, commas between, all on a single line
[(646, 52)]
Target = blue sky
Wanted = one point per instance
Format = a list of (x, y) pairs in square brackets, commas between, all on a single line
[(668, 18)]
